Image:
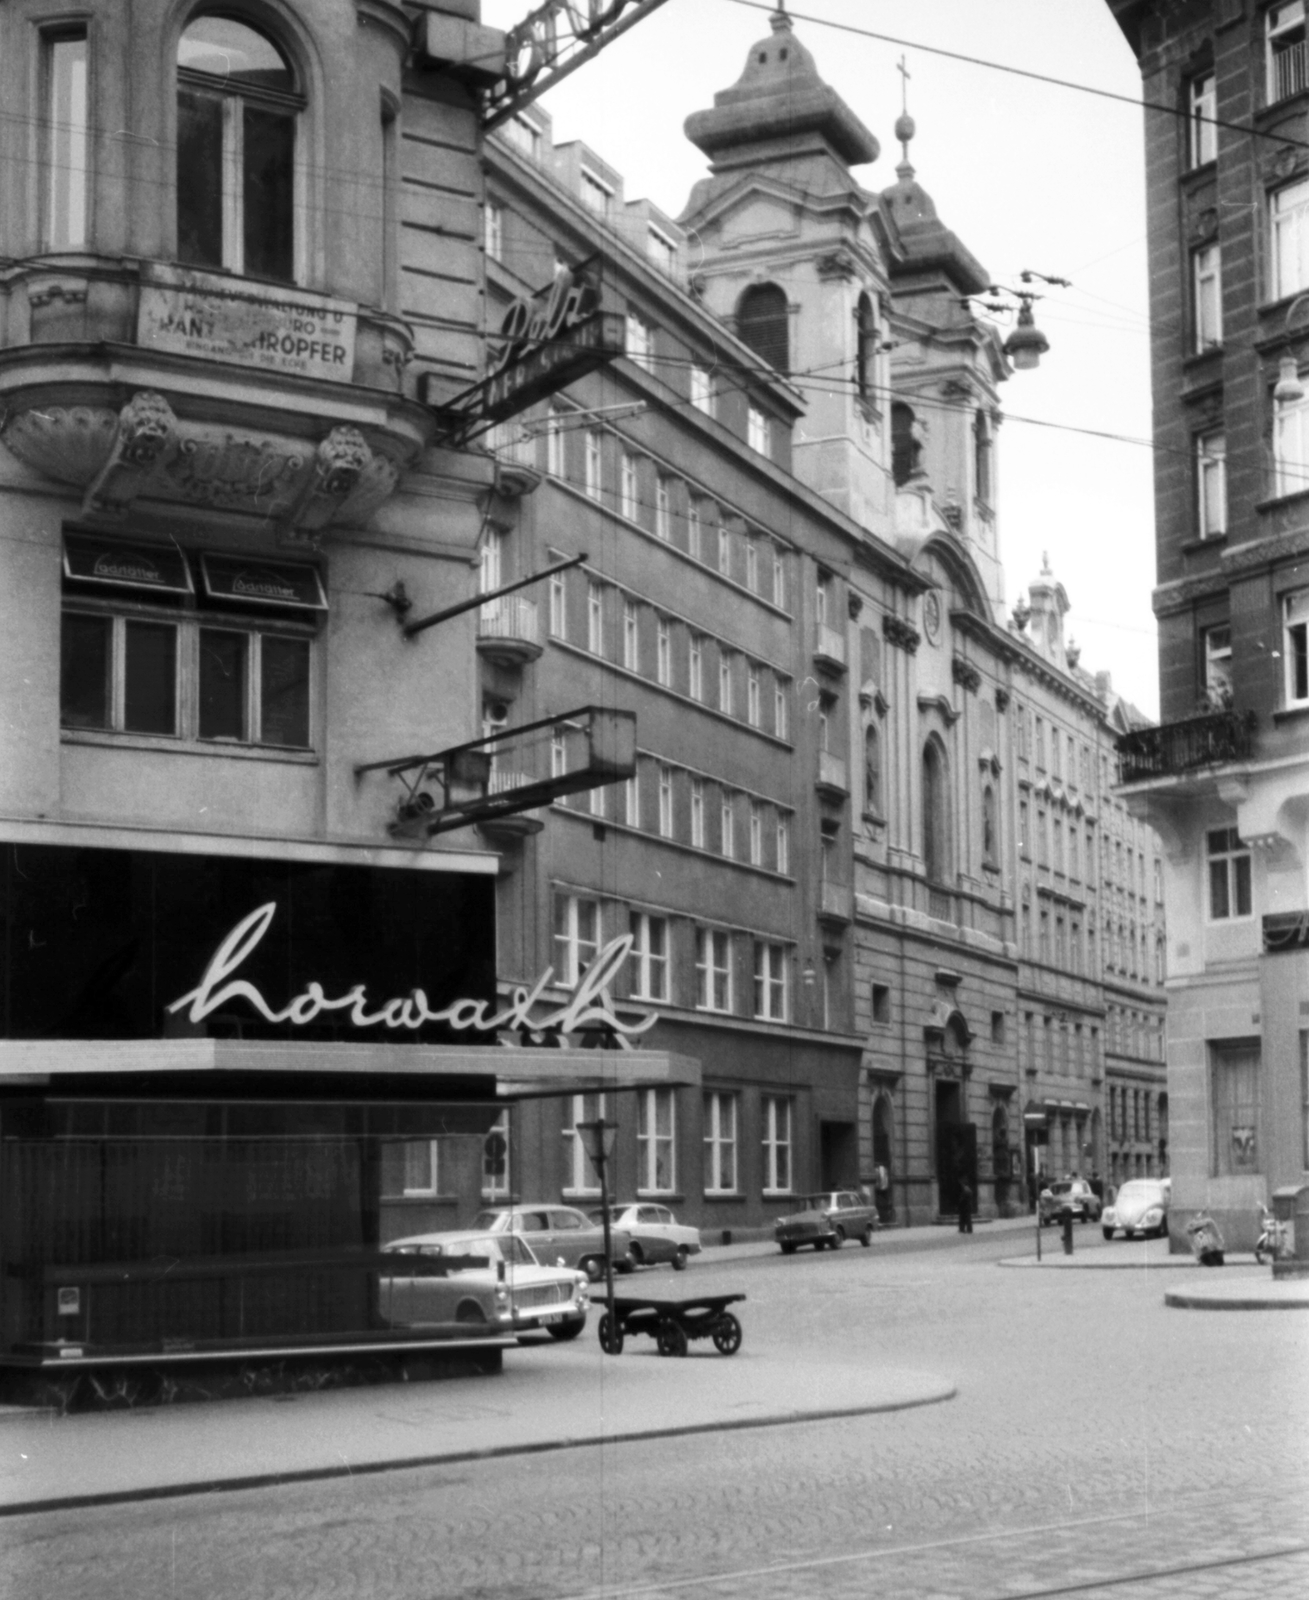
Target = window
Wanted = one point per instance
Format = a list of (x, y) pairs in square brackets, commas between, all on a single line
[(664, 652), (1229, 875), (758, 433), (648, 962), (64, 127), (632, 800), (695, 667), (1296, 609), (702, 390), (1040, 743), (597, 802), (577, 937), (595, 630), (694, 532), (220, 675), (627, 487), (783, 844), (656, 1143), (724, 682), (1217, 645), (935, 815), (1024, 834), (781, 692), (1207, 307), (872, 771), (662, 251), (1202, 108), (524, 136), (640, 342), (719, 1143), (753, 713), (665, 802), (777, 1143), (421, 1169), (494, 230), (713, 970), (724, 550), (631, 637), (770, 981), (597, 195), (982, 448), (1234, 1095), (727, 824), (751, 565), (1287, 73), (881, 1002), (1289, 208), (237, 105), (594, 482), (779, 580), (663, 510), (1291, 447), (554, 444), (558, 756), (496, 1183), (558, 606), (579, 1175), (762, 321), (1211, 483), (756, 834), (697, 813), (990, 829), (865, 350)]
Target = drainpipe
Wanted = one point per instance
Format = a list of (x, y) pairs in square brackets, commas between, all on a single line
[(904, 1082)]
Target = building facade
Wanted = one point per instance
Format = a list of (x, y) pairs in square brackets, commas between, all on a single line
[(1223, 780)]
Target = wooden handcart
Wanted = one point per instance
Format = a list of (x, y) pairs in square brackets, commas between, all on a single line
[(672, 1324)]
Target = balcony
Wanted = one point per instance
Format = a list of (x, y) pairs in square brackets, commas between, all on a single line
[(832, 778), (507, 630), (829, 648), (517, 824), (1210, 740), (835, 902), (1288, 71)]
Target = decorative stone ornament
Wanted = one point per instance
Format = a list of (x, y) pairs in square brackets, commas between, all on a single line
[(147, 436)]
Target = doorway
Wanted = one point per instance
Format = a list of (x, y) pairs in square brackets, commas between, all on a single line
[(956, 1146), (838, 1155)]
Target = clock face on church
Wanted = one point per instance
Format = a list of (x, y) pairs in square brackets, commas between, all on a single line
[(932, 615)]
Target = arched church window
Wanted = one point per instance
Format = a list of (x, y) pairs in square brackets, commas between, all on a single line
[(936, 834), (237, 109), (762, 321), (906, 444)]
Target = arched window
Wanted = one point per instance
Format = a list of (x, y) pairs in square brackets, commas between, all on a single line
[(762, 320), (990, 833), (872, 770), (865, 348), (906, 445), (936, 829), (237, 104)]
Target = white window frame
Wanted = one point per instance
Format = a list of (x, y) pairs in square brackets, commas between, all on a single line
[(494, 230), (595, 618), (581, 1175), (640, 342), (727, 824), (661, 250), (1288, 210), (724, 550), (629, 499), (697, 813), (720, 1142), (1287, 72), (751, 564), (1291, 447), (695, 666), (725, 682), (664, 652), (421, 1167), (65, 137), (648, 960), (576, 937), (758, 432), (594, 464), (665, 802), (558, 606), (694, 531), (1202, 108), (1207, 303), (632, 800), (1295, 634), (779, 580), (776, 1110), (784, 844), (631, 637), (702, 389), (555, 462), (656, 1141), (753, 696), (781, 702), (756, 834), (1211, 484), (713, 970), (1228, 860), (663, 509), (772, 971)]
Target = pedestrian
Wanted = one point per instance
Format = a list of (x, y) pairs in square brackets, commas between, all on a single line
[(882, 1191), (965, 1206)]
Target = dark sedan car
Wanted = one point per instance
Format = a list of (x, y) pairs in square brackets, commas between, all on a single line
[(826, 1221)]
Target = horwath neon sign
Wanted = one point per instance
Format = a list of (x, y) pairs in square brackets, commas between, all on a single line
[(588, 1005)]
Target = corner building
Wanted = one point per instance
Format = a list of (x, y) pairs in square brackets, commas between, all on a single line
[(1223, 780)]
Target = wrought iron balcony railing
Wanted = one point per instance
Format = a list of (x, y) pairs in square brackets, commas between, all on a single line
[(1204, 741)]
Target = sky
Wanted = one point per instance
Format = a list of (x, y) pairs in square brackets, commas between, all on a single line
[(1029, 175)]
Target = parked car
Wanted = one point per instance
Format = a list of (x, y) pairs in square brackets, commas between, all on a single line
[(655, 1232), (1140, 1206), (493, 1279), (826, 1221), (560, 1234), (1069, 1194)]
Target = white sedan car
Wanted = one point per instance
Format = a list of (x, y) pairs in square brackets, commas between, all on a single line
[(491, 1278), (655, 1232)]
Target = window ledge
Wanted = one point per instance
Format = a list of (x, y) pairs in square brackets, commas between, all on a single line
[(106, 740), (1214, 541), (1291, 714), (1274, 501)]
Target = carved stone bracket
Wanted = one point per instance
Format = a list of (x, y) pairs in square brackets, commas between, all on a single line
[(1002, 700), (146, 439), (901, 634), (965, 673), (338, 464)]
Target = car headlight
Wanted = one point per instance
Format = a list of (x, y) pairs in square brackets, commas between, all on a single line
[(502, 1297), (1153, 1218)]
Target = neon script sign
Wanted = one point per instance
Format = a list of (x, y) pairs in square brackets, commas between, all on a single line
[(589, 1003)]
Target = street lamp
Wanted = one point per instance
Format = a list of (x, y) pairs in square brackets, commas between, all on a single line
[(598, 1142)]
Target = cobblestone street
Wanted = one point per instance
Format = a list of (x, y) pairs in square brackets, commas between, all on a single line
[(1099, 1445)]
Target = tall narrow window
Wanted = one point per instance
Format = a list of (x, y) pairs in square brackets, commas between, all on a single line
[(724, 682), (494, 230), (783, 844), (64, 118), (1202, 108), (648, 962), (865, 324), (577, 937), (1207, 297), (627, 491), (666, 802), (770, 981), (873, 771), (756, 834), (632, 800), (1211, 483), (695, 667), (664, 652), (697, 813), (727, 824), (1296, 610), (982, 486), (724, 550), (555, 464), (753, 712), (935, 815), (1291, 447), (656, 1141), (594, 484), (1217, 644), (1229, 875), (631, 639), (640, 342), (752, 565), (758, 431), (702, 390), (595, 636), (1234, 1095), (558, 606), (663, 510), (719, 1143), (777, 1144), (237, 104), (1288, 70), (781, 694), (1289, 209), (694, 532), (581, 1177), (713, 967), (762, 321), (779, 579)]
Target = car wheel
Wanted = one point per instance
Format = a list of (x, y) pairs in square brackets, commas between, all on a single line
[(566, 1330), (679, 1260), (1108, 1232), (727, 1334), (671, 1338), (611, 1338), (593, 1267), (470, 1314), (788, 1249), (637, 1255), (866, 1237), (837, 1239)]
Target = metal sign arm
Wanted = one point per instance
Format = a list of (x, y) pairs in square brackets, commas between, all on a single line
[(411, 628)]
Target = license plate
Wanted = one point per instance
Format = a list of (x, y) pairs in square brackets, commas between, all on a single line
[(549, 1317)]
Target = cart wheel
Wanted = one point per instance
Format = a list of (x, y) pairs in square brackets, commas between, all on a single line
[(727, 1334), (671, 1338), (679, 1260), (611, 1340)]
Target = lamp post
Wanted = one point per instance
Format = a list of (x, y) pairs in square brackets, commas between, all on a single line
[(598, 1142)]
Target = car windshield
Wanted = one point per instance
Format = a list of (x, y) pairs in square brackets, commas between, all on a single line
[(817, 1202), (1061, 1188), (488, 1221), (1140, 1191)]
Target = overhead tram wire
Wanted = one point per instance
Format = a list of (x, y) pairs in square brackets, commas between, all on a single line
[(1025, 72)]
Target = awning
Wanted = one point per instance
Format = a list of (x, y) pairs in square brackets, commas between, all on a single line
[(126, 564), (287, 585)]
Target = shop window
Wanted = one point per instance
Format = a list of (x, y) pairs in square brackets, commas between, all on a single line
[(771, 968), (1211, 484), (65, 146), (1296, 612), (147, 649), (776, 1144), (762, 321), (713, 970), (648, 961), (1202, 108), (720, 1118), (1287, 67), (237, 109), (1234, 1097), (1207, 297), (656, 1141)]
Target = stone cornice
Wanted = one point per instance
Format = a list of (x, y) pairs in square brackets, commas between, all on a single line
[(1257, 553)]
